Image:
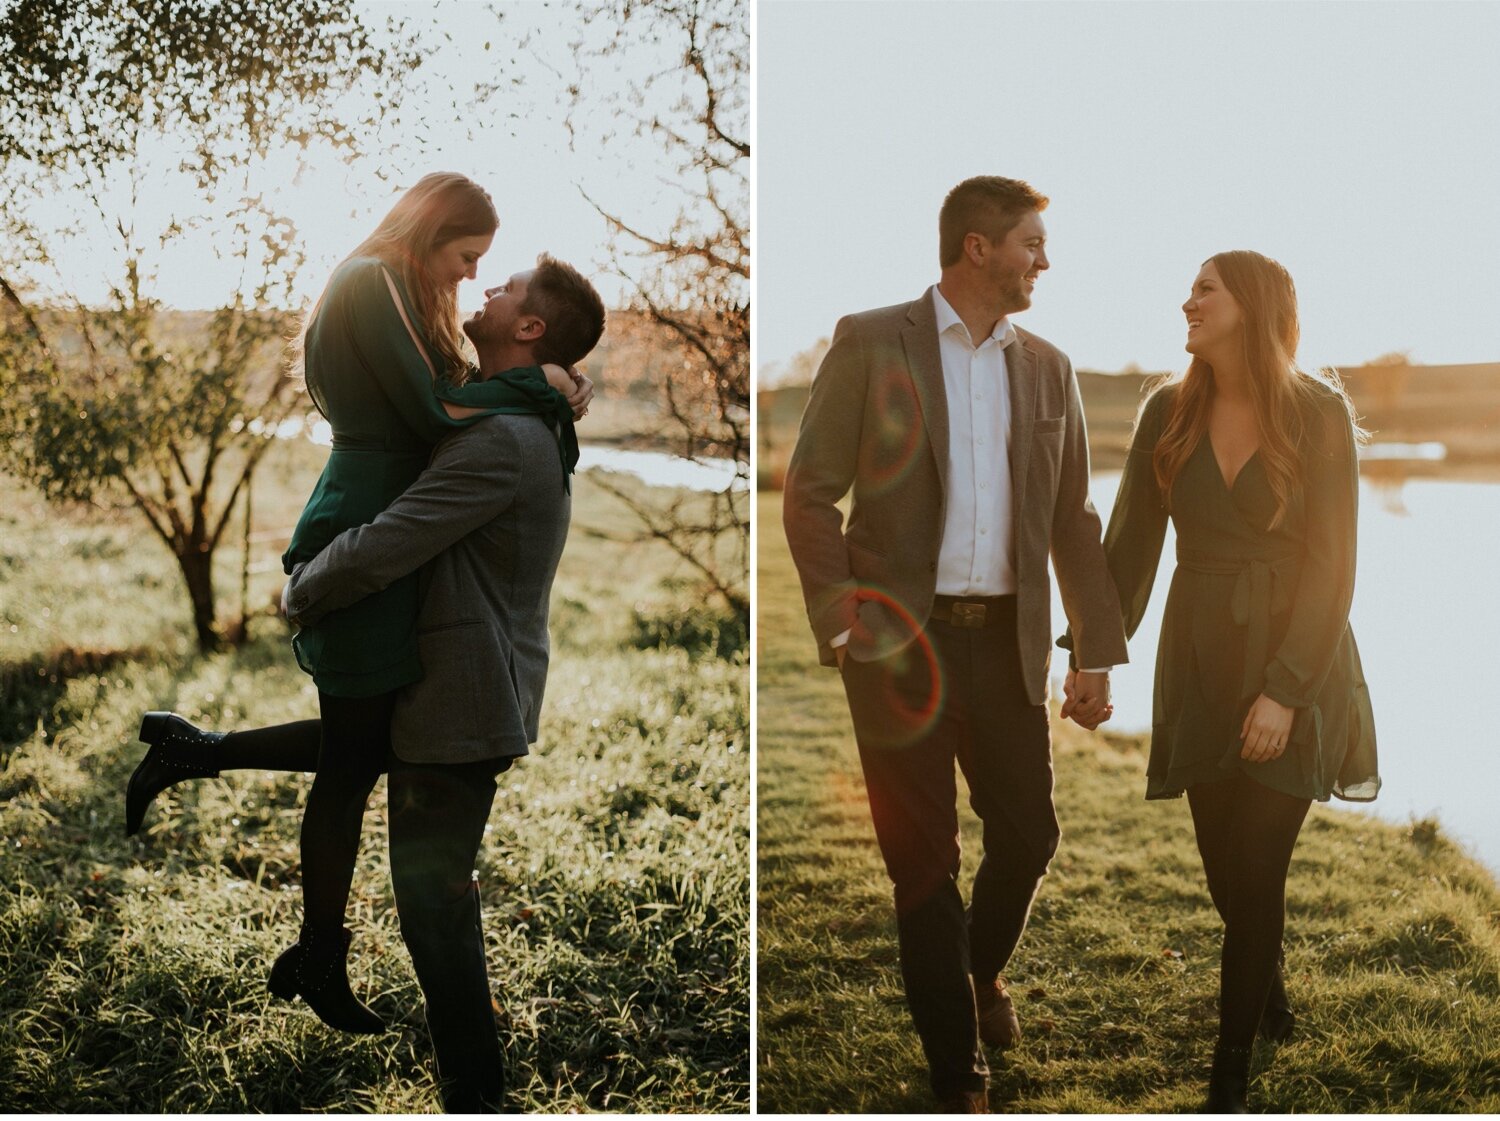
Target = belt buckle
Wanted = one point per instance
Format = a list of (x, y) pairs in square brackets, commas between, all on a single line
[(968, 614)]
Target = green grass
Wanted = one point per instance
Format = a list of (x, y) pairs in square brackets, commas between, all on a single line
[(615, 875), (1393, 935)]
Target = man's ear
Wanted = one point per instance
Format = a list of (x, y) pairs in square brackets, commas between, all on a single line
[(530, 329)]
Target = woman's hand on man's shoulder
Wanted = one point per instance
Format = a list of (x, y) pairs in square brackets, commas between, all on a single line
[(576, 387)]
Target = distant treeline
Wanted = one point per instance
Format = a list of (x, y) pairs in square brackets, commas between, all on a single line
[(628, 366), (631, 357), (1458, 406)]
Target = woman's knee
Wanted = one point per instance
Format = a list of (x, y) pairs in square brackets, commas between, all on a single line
[(348, 782)]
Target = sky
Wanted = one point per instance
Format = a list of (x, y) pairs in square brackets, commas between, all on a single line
[(517, 148), (1356, 142)]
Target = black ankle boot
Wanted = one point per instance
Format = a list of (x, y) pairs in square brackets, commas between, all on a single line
[(473, 1086), (1229, 1081), (315, 969), (178, 751), (1278, 1019)]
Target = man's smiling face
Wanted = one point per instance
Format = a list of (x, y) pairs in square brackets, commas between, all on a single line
[(1014, 263), (501, 313)]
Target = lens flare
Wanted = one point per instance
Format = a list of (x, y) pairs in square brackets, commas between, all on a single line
[(907, 687), (892, 452)]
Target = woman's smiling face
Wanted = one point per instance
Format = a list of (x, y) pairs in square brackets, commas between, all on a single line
[(458, 259), (1213, 316)]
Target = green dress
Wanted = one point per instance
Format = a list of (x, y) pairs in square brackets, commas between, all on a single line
[(369, 379), (1251, 610)]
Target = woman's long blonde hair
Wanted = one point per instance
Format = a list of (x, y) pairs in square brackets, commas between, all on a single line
[(1280, 390), (439, 208)]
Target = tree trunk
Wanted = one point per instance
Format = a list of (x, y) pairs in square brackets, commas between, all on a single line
[(197, 572)]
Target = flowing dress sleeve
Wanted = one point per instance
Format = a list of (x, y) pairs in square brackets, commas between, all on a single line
[(1137, 524), (1325, 588)]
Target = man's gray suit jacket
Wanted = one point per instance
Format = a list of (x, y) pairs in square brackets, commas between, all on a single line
[(876, 422), (488, 518)]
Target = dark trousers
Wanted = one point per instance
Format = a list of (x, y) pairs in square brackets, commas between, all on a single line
[(437, 818), (955, 695)]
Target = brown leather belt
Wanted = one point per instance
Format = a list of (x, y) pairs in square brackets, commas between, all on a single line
[(971, 611)]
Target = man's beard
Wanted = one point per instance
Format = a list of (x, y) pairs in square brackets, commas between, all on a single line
[(1014, 296), (482, 328)]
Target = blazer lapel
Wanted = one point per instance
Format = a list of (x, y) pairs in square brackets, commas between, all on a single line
[(925, 362), (1020, 369)]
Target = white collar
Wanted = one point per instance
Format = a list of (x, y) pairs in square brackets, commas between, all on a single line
[(1003, 333)]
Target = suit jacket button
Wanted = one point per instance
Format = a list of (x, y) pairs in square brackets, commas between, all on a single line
[(932, 567)]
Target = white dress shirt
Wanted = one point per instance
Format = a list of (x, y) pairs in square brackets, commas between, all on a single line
[(977, 557)]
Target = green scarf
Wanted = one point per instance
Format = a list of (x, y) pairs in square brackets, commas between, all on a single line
[(523, 390)]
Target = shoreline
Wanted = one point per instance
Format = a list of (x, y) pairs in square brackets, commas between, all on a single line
[(1136, 741)]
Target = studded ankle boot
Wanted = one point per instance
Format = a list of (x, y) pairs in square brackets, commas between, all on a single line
[(316, 969), (178, 751), (1229, 1081)]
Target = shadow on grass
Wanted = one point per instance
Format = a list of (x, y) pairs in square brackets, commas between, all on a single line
[(35, 687)]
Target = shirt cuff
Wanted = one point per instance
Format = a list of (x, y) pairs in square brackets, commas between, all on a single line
[(1106, 669), (841, 639)]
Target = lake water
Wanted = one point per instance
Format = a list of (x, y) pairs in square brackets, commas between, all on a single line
[(659, 469), (1426, 615)]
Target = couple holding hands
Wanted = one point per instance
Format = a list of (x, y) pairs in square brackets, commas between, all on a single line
[(961, 437)]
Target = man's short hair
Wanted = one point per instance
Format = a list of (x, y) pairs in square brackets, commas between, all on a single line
[(562, 298), (986, 204)]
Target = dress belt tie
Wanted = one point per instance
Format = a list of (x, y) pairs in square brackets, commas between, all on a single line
[(361, 444), (1263, 587)]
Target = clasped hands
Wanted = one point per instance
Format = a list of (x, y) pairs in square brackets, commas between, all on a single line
[(1086, 699), (576, 387)]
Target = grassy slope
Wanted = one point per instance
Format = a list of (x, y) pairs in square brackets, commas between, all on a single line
[(1393, 936), (132, 973)]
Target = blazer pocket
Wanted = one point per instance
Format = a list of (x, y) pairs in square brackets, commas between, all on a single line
[(434, 629), (453, 686), (1048, 424), (865, 564)]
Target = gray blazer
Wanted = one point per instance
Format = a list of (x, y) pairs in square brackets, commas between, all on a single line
[(487, 518), (877, 422)]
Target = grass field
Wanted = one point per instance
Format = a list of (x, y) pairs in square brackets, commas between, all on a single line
[(1393, 935), (132, 972)]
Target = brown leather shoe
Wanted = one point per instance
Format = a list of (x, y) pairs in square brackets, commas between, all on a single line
[(967, 1101), (998, 1025)]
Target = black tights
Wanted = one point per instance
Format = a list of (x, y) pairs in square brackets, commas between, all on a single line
[(1246, 832), (347, 750)]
